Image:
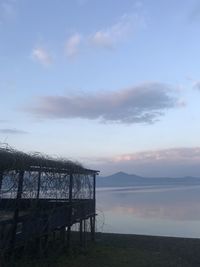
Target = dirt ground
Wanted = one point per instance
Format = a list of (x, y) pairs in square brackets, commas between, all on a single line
[(119, 250)]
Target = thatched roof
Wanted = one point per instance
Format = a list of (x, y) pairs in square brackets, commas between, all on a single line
[(11, 159)]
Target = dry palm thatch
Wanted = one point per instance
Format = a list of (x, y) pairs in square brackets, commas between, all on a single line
[(11, 159)]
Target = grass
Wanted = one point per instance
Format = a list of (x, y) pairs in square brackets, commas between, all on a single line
[(116, 250)]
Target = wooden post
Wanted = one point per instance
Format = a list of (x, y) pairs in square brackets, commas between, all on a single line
[(70, 209), (81, 232), (38, 239), (84, 233), (17, 208), (70, 187), (1, 179), (92, 227), (92, 221), (62, 234), (38, 186)]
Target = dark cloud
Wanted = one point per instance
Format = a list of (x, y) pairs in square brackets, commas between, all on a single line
[(144, 103), (12, 131)]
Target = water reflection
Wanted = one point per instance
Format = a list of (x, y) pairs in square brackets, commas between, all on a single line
[(172, 210)]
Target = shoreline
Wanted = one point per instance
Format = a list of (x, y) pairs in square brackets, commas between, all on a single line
[(147, 235)]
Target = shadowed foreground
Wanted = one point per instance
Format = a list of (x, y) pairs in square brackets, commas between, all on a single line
[(125, 250)]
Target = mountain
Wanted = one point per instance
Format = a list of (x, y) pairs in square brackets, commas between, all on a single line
[(122, 179)]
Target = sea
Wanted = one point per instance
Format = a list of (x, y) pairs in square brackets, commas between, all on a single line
[(161, 210)]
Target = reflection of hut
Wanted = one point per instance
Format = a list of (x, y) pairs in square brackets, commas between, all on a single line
[(40, 195)]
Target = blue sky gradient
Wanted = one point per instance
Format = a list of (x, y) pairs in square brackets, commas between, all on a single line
[(114, 84)]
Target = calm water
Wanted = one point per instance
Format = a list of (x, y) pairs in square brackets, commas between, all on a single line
[(156, 210)]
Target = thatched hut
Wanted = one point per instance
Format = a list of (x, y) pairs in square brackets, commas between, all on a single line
[(40, 195)]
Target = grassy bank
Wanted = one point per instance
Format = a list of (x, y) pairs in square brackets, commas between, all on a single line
[(118, 250)]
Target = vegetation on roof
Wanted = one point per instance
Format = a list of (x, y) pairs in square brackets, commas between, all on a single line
[(12, 159)]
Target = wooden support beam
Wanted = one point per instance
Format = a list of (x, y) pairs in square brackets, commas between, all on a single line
[(70, 187), (62, 234), (92, 227), (1, 179), (38, 185), (94, 187), (17, 208), (70, 209), (81, 232), (60, 170), (84, 234), (93, 220)]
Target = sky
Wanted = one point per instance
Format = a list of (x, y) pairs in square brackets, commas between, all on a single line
[(112, 84)]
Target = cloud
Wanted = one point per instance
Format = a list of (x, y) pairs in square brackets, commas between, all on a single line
[(143, 103), (195, 84), (181, 103), (109, 37), (178, 154), (72, 45), (174, 162), (106, 38), (42, 56), (12, 131)]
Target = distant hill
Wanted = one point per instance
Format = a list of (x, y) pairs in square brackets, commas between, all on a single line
[(122, 179)]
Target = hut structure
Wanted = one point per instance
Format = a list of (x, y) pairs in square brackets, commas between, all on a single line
[(40, 195)]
